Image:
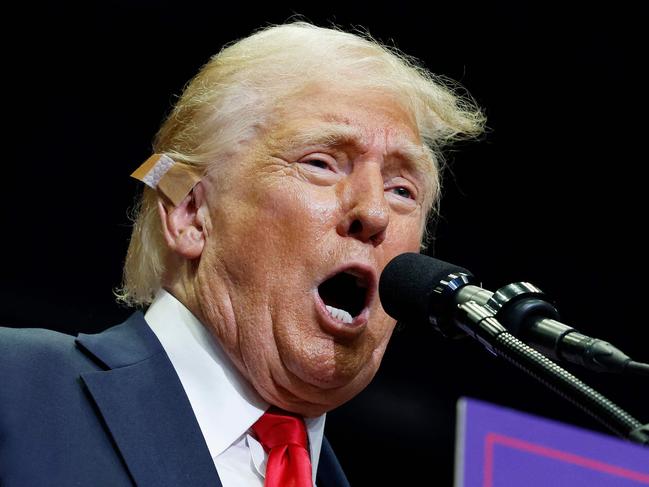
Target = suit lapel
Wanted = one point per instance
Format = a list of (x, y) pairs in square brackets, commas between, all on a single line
[(145, 408), (330, 473)]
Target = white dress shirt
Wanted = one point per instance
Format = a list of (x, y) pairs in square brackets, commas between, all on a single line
[(224, 403)]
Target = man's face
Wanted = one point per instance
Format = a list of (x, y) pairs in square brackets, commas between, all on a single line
[(301, 226)]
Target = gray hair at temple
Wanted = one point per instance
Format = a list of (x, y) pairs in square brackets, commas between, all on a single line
[(233, 98)]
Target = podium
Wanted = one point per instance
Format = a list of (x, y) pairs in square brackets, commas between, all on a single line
[(499, 447)]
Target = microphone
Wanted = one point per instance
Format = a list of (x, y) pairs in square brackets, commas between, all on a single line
[(416, 288)]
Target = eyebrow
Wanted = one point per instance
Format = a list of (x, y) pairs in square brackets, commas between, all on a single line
[(339, 134), (329, 135)]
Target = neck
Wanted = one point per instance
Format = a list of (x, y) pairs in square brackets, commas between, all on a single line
[(180, 284)]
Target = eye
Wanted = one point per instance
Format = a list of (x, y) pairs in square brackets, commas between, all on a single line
[(315, 162), (319, 162), (319, 168), (403, 192)]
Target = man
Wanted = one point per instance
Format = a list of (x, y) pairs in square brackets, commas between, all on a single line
[(294, 167)]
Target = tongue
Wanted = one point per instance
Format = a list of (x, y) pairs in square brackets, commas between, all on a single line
[(340, 314)]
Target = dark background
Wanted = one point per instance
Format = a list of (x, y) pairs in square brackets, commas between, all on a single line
[(554, 194)]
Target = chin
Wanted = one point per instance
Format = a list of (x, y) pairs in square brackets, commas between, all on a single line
[(311, 404), (324, 364), (315, 391), (333, 379)]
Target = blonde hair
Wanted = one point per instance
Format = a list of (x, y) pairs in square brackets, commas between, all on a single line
[(233, 98)]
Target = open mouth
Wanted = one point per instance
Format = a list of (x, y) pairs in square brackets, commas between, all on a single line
[(346, 294)]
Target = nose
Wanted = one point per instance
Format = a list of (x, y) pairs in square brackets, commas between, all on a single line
[(367, 213)]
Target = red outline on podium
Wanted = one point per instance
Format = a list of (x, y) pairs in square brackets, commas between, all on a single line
[(493, 439)]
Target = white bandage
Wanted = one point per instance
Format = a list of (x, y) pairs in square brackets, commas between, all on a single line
[(159, 169)]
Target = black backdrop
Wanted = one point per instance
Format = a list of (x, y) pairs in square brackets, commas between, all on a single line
[(553, 194)]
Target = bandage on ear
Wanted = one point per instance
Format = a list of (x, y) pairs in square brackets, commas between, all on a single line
[(174, 180)]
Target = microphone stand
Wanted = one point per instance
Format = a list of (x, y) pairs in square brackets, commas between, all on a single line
[(481, 324)]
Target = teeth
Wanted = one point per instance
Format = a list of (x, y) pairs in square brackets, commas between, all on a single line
[(340, 314)]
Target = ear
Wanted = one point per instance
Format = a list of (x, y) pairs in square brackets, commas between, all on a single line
[(183, 226)]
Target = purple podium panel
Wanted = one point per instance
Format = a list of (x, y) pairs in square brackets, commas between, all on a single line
[(499, 447)]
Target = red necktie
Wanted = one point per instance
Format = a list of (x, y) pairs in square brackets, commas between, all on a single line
[(283, 436)]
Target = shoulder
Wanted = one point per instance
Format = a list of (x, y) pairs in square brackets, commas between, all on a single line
[(20, 337), (30, 347), (39, 371), (20, 343), (33, 360), (50, 433), (55, 360)]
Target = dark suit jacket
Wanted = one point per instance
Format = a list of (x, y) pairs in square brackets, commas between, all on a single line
[(103, 410)]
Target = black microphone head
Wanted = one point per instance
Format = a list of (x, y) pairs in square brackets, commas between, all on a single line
[(407, 285)]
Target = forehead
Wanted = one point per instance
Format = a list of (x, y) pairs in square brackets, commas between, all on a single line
[(353, 118), (365, 111)]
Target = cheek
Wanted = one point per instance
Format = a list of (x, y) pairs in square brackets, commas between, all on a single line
[(300, 209), (265, 242), (405, 233), (270, 222)]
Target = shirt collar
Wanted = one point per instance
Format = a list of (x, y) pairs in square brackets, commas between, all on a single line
[(224, 403)]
